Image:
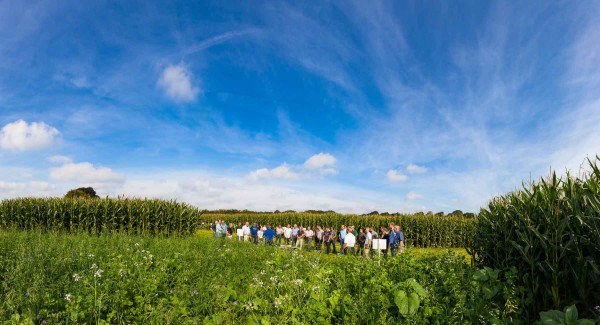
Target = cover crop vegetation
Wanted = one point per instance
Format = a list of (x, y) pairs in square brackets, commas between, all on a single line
[(82, 278)]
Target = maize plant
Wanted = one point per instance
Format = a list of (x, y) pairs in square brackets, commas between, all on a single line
[(549, 231), (129, 216)]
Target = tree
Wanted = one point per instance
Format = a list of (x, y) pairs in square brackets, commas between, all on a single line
[(82, 193)]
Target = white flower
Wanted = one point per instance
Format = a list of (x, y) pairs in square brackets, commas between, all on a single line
[(76, 277), (91, 255), (94, 266), (68, 297), (122, 272), (297, 282), (98, 273), (263, 272)]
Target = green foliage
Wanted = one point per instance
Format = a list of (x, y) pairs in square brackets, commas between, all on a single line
[(127, 279), (568, 317), (82, 193), (549, 231), (130, 216)]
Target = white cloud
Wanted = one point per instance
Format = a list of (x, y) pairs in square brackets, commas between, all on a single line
[(281, 172), (319, 164), (412, 196), (22, 136), (85, 173), (58, 159), (320, 160), (395, 176), (176, 81), (415, 169), (22, 189), (211, 191)]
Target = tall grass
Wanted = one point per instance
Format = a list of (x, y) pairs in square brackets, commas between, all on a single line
[(549, 231)]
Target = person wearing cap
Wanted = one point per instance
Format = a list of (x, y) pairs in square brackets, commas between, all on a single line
[(349, 242)]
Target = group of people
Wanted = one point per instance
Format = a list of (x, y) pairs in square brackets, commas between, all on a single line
[(352, 241)]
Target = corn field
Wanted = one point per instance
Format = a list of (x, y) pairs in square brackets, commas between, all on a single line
[(419, 230), (549, 231), (129, 216), (170, 218)]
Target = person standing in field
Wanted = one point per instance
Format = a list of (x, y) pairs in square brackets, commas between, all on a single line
[(308, 237), (221, 229), (239, 227), (327, 239), (333, 238), (318, 238), (279, 234), (349, 242), (299, 237), (295, 235), (259, 234), (399, 239), (287, 233), (368, 241), (343, 232), (361, 239), (392, 240), (385, 235), (213, 227), (254, 233), (269, 234), (230, 231), (246, 231)]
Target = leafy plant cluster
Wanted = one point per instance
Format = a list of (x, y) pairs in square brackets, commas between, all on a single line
[(80, 278), (550, 233)]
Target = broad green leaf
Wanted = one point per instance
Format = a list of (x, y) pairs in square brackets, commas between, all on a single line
[(552, 317), (401, 302), (413, 303), (571, 314)]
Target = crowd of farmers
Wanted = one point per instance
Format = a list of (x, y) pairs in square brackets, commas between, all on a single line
[(352, 241)]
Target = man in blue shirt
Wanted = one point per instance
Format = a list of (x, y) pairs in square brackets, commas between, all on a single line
[(342, 237), (269, 234), (254, 233), (399, 239), (392, 239)]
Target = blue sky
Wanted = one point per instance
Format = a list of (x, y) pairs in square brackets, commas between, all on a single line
[(352, 106)]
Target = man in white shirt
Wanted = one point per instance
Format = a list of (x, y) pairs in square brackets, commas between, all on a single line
[(368, 241), (246, 231), (287, 234), (349, 241), (308, 237)]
